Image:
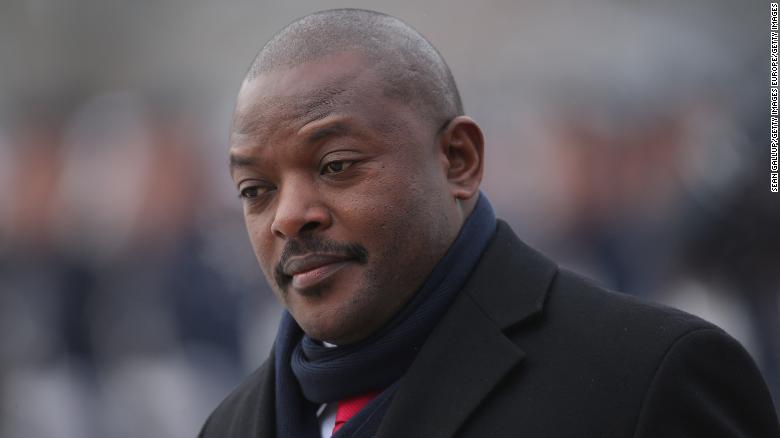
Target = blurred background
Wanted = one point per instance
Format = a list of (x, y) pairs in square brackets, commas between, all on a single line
[(627, 140)]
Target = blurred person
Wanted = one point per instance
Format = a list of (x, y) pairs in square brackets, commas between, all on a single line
[(115, 321), (617, 122), (160, 318), (410, 309), (617, 210), (732, 251), (40, 286)]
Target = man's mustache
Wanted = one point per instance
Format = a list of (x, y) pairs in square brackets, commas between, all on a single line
[(313, 245)]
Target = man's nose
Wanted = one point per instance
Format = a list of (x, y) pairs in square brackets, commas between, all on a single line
[(299, 210)]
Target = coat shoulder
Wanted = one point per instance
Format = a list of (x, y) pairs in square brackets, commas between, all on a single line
[(243, 409), (612, 364), (578, 299)]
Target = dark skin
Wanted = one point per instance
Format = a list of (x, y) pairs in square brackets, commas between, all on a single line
[(350, 197)]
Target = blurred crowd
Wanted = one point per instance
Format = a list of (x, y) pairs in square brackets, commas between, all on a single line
[(124, 284), (130, 300)]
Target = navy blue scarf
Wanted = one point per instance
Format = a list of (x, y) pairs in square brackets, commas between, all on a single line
[(309, 374)]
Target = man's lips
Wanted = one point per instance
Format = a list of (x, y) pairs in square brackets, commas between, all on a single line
[(307, 271)]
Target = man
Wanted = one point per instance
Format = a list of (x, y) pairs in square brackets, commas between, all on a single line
[(412, 311)]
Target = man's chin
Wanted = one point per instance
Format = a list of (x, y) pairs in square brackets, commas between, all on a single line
[(337, 335), (324, 312), (335, 325)]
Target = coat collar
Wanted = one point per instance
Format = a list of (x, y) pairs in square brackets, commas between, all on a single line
[(468, 354), (511, 281)]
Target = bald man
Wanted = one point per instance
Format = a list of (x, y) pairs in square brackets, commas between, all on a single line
[(411, 311)]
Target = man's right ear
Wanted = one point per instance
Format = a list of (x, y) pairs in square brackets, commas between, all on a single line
[(462, 145)]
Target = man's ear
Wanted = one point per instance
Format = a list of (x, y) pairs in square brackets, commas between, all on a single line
[(462, 146)]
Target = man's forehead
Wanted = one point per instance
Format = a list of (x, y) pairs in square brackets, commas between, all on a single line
[(257, 115), (304, 91)]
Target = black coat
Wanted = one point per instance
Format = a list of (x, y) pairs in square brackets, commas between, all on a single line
[(531, 350)]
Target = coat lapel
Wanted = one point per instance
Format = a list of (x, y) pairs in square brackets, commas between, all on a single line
[(468, 354), (462, 361)]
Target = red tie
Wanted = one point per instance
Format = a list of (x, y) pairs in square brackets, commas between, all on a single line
[(348, 407)]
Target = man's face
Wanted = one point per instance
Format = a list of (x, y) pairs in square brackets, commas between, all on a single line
[(344, 191)]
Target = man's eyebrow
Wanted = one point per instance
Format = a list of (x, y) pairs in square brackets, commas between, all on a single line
[(237, 161), (335, 129)]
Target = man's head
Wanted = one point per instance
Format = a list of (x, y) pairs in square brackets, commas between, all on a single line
[(355, 165)]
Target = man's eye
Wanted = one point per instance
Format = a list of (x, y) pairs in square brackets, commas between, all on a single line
[(250, 192), (335, 167)]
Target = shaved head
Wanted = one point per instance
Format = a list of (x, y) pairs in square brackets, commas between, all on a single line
[(410, 68)]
